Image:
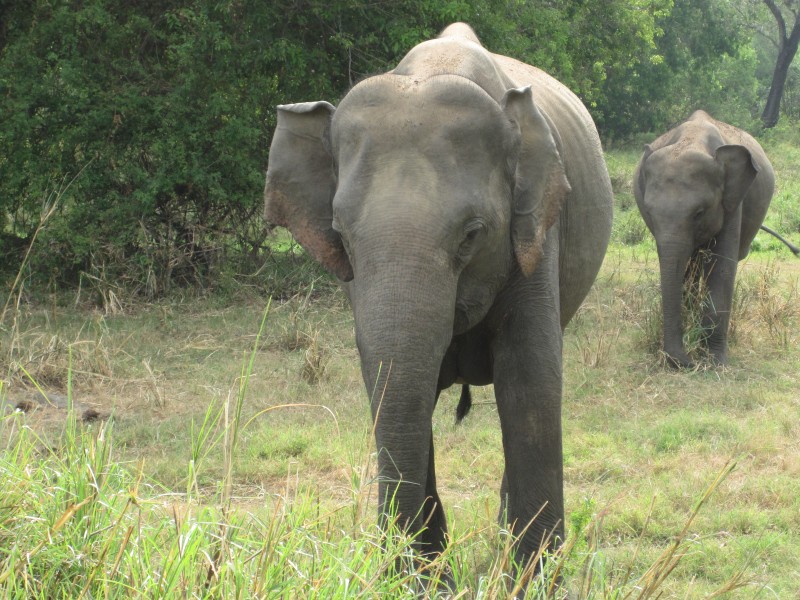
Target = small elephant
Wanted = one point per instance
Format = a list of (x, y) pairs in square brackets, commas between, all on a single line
[(703, 189), (464, 203)]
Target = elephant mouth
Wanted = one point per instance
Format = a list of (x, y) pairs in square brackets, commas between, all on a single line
[(461, 319)]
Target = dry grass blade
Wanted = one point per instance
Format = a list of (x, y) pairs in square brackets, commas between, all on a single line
[(649, 584), (48, 210), (315, 361), (639, 542)]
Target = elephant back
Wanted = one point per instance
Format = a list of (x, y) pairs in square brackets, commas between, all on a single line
[(459, 56)]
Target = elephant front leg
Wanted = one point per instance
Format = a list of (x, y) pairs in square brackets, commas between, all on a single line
[(433, 537), (532, 490), (719, 270), (527, 368), (720, 275)]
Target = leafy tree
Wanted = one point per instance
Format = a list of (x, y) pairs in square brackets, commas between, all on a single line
[(137, 96), (168, 109), (702, 59)]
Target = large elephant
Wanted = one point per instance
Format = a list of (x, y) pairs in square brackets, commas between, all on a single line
[(463, 200), (703, 189)]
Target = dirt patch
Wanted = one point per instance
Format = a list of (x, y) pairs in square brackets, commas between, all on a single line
[(51, 407)]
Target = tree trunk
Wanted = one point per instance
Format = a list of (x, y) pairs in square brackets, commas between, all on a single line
[(772, 109), (786, 53)]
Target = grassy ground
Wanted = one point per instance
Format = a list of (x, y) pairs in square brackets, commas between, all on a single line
[(284, 492)]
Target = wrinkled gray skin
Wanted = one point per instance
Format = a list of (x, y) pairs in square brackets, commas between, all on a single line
[(704, 185), (464, 199)]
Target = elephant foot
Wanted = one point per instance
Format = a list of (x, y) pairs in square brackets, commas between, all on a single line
[(679, 360), (719, 360), (429, 578), (443, 584)]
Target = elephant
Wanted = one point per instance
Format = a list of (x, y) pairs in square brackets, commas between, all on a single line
[(463, 201), (703, 189)]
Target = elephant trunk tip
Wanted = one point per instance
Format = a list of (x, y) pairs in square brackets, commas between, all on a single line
[(464, 403)]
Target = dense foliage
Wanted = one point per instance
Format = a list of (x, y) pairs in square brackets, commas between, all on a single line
[(145, 126)]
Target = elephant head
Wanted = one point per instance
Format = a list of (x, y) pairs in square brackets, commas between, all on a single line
[(425, 194), (690, 193)]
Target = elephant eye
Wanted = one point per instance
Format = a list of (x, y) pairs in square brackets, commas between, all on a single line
[(471, 235), (698, 214), (472, 231)]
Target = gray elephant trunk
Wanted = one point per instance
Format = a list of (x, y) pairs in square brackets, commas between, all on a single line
[(673, 260), (402, 331)]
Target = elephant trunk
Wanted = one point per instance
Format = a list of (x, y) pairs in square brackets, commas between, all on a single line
[(402, 331), (673, 259)]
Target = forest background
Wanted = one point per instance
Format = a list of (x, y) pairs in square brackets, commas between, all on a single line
[(139, 131)]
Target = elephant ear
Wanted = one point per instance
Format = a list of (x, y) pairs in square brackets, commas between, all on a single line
[(540, 184), (740, 172), (301, 182)]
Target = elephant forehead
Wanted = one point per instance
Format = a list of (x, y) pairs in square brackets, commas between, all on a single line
[(392, 108), (455, 56), (407, 183), (670, 168)]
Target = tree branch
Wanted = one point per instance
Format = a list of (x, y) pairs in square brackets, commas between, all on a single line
[(794, 38), (749, 17), (776, 12)]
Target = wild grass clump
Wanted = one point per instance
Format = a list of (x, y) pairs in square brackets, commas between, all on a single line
[(696, 301), (77, 524), (595, 337), (765, 307), (48, 358)]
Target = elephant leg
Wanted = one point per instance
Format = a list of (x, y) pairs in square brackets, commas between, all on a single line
[(502, 515), (527, 373), (433, 537), (720, 274), (529, 405)]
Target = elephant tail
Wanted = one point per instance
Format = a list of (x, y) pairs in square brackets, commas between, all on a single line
[(464, 403), (789, 245)]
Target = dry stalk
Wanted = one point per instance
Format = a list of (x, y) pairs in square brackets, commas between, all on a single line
[(649, 583), (158, 398), (315, 361), (49, 208)]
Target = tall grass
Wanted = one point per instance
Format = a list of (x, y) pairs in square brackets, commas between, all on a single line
[(75, 522)]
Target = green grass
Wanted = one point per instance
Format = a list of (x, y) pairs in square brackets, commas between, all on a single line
[(198, 488), (79, 522)]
